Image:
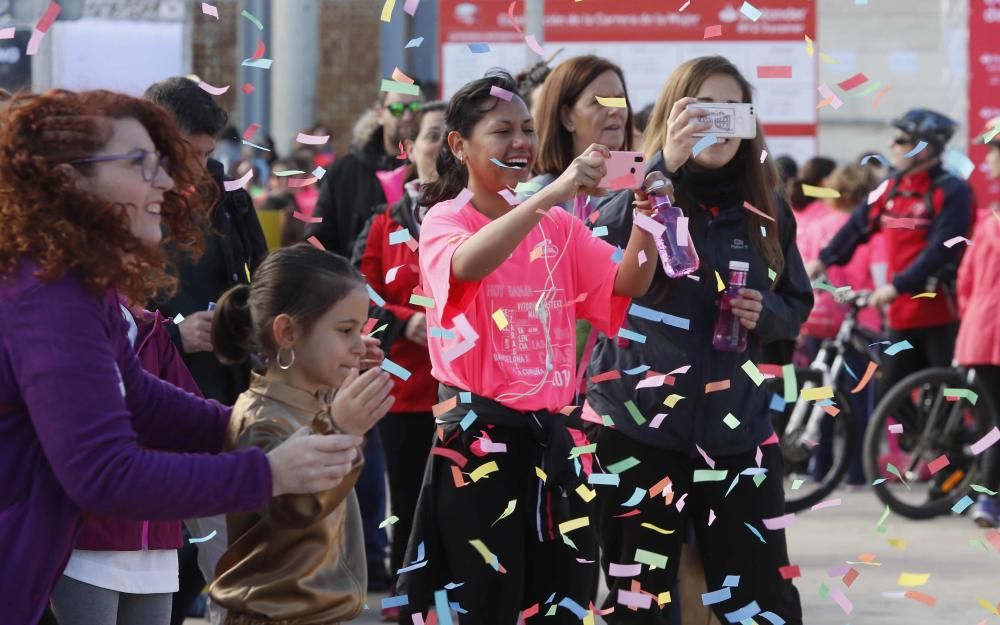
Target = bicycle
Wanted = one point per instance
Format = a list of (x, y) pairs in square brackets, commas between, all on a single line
[(799, 425), (919, 445)]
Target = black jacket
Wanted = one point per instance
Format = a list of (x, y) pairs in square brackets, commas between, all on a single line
[(234, 247), (349, 193), (698, 418)]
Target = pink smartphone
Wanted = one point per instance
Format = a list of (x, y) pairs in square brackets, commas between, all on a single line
[(626, 170)]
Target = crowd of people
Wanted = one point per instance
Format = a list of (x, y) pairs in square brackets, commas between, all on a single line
[(478, 339)]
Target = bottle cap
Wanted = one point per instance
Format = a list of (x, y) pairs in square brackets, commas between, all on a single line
[(738, 265)]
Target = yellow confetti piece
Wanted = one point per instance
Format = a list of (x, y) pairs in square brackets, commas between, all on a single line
[(617, 103), (509, 510), (819, 192), (500, 319), (484, 551), (588, 618), (898, 543), (926, 294), (719, 283), (810, 49), (585, 493), (672, 400), (826, 58), (387, 10), (484, 470), (392, 519), (246, 269), (536, 253), (911, 580), (541, 474), (660, 530), (988, 606), (663, 598), (573, 524), (817, 392)]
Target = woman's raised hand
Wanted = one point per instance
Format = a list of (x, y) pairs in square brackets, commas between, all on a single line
[(681, 126), (584, 175), (654, 184)]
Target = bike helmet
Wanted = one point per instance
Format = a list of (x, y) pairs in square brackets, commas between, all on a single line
[(927, 125)]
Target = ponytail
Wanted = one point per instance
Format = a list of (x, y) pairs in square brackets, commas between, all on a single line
[(232, 326)]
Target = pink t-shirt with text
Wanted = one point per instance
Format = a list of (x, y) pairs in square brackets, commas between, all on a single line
[(524, 358)]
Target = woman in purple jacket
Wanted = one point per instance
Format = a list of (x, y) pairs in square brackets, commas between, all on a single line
[(85, 180)]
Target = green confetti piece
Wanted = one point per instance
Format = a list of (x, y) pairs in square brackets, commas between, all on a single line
[(250, 16), (880, 526), (623, 465), (420, 300), (636, 415), (608, 421), (710, 475), (400, 87), (731, 421), (791, 384), (527, 187), (554, 607), (391, 520), (979, 542), (582, 449), (753, 372), (771, 274), (650, 558), (983, 490), (379, 329), (797, 484), (891, 468), (962, 393), (824, 591), (759, 479), (868, 89)]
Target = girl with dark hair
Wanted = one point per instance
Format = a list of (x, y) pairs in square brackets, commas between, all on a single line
[(89, 180), (693, 408), (301, 559), (816, 172), (507, 283)]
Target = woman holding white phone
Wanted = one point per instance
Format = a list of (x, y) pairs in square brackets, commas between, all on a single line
[(696, 433)]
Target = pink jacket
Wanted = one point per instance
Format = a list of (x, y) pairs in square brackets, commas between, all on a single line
[(827, 315), (978, 296)]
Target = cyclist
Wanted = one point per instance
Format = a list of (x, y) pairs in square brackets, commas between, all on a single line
[(978, 343)]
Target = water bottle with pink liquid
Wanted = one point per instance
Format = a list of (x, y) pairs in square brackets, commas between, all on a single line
[(729, 334), (675, 247)]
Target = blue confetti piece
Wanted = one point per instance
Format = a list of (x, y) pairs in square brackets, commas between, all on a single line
[(468, 420), (706, 142), (399, 236), (637, 370), (599, 231), (632, 336), (637, 496), (260, 63), (396, 370), (441, 333), (453, 585), (645, 313), (500, 163), (573, 607), (551, 598), (677, 322), (617, 255), (777, 403), (479, 48), (375, 297), (604, 479), (962, 505), (733, 580), (254, 145), (395, 602), (773, 618), (895, 348), (716, 596), (415, 42), (884, 162), (465, 397), (319, 172), (752, 12), (748, 611), (958, 163), (443, 609), (916, 150), (202, 540), (456, 606), (756, 532)]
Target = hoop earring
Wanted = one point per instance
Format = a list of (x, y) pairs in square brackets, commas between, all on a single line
[(282, 366)]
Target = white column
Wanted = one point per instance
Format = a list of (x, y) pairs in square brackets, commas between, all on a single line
[(295, 51)]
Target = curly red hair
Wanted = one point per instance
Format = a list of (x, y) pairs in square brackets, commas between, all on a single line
[(45, 217)]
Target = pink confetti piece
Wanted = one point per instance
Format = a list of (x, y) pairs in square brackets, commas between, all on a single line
[(298, 183), (839, 570), (853, 82), (399, 76), (774, 71), (657, 420), (500, 92), (713, 31), (624, 570), (653, 381), (258, 54), (829, 503), (251, 131), (759, 456), (510, 14), (213, 89), (312, 139), (461, 199), (780, 522), (313, 241), (938, 463), (49, 18), (711, 517), (306, 218), (680, 502), (708, 459), (877, 193), (634, 599), (828, 93), (208, 9), (232, 185), (684, 6), (763, 156), (649, 224), (247, 88), (532, 42), (986, 442), (8, 33), (682, 231), (952, 242), (411, 7), (896, 428), (756, 211), (841, 599), (509, 196), (642, 257)]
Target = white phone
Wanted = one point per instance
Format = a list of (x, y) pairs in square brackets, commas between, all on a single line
[(735, 119)]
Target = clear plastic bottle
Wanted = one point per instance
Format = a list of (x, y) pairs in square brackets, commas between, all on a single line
[(678, 260), (729, 334)]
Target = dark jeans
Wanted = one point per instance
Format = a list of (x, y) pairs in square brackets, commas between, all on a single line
[(407, 438), (727, 547), (933, 346), (372, 501), (989, 378)]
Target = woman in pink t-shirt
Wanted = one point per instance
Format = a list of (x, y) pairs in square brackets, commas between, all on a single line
[(503, 509)]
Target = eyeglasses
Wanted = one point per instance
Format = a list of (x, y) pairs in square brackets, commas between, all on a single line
[(902, 141), (398, 109), (150, 162)]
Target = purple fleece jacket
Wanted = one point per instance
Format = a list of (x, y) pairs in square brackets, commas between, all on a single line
[(82, 427)]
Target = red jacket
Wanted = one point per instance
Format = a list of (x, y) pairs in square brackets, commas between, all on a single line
[(377, 256), (158, 356), (915, 237), (978, 296)]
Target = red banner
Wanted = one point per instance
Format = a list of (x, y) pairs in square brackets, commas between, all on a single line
[(984, 92)]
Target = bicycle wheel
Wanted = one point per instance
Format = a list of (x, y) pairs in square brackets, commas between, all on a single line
[(907, 464), (813, 469)]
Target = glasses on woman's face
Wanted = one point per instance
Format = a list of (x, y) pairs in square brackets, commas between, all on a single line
[(150, 163), (398, 109), (902, 141)]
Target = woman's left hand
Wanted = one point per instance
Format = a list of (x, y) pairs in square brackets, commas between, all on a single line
[(373, 355), (655, 184), (747, 307)]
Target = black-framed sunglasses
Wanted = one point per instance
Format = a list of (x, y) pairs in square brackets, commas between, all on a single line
[(398, 109), (903, 141), (150, 162)]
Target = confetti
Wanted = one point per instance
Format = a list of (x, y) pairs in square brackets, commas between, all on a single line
[(716, 596), (212, 89), (927, 600), (42, 27), (829, 503), (755, 532), (479, 48), (400, 87), (395, 602), (500, 92), (410, 8), (952, 242), (208, 9), (532, 42), (753, 209), (704, 143), (753, 14), (781, 522), (393, 519), (233, 185), (790, 572), (863, 382), (256, 22), (753, 372), (484, 471), (895, 348), (853, 82), (634, 599), (624, 570), (774, 71), (659, 530), (817, 393), (618, 103), (938, 463), (713, 31), (710, 475), (916, 150), (399, 236), (203, 539), (394, 369), (315, 243), (962, 505), (819, 192), (414, 43), (721, 385), (650, 558)]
